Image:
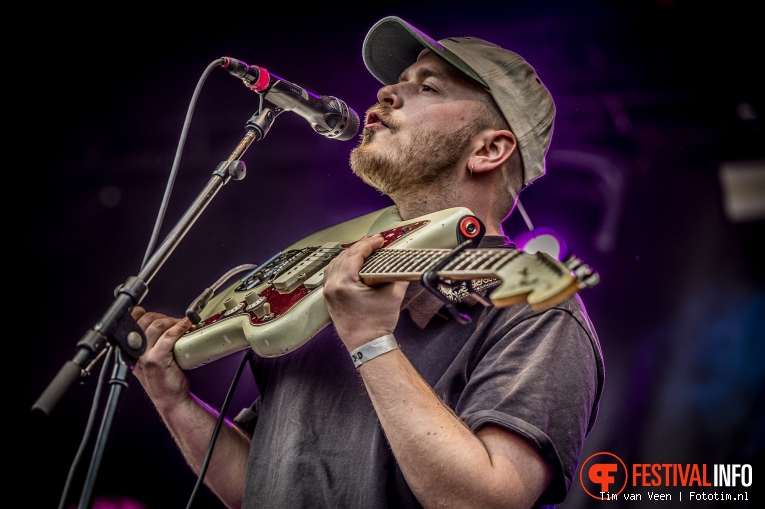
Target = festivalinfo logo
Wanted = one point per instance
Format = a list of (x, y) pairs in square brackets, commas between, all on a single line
[(604, 476)]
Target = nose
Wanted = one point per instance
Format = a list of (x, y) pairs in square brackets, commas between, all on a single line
[(390, 94)]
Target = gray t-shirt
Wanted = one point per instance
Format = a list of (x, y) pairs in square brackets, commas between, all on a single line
[(317, 442)]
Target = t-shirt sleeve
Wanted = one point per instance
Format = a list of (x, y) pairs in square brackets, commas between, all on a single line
[(540, 376)]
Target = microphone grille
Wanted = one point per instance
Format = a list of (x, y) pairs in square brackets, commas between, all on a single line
[(343, 125)]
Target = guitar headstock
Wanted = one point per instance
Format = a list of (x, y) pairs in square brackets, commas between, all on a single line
[(541, 280)]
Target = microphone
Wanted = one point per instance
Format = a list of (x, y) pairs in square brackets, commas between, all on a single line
[(328, 116)]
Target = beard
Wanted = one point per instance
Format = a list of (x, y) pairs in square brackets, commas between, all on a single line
[(427, 158)]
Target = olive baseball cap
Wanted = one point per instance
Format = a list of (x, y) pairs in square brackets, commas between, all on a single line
[(392, 45)]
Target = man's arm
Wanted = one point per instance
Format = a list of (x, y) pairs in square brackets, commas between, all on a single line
[(444, 462), (190, 421)]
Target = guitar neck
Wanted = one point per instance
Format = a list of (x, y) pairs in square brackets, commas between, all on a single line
[(386, 265)]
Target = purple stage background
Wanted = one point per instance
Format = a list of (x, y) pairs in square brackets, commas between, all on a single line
[(654, 100)]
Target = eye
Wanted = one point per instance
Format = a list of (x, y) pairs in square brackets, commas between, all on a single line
[(427, 88)]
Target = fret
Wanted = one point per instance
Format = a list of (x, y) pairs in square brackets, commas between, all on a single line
[(402, 261), (412, 263)]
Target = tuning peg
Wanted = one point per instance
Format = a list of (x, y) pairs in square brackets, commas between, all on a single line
[(587, 278), (572, 262), (583, 272)]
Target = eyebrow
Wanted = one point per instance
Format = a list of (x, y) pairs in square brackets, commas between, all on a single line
[(420, 74)]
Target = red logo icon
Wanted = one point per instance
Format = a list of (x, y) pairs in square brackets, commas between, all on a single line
[(603, 475)]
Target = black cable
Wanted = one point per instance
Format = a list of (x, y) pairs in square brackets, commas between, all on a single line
[(218, 424)]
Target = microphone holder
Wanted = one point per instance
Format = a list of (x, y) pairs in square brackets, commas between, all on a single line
[(117, 327)]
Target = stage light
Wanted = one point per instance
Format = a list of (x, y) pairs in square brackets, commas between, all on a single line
[(542, 239)]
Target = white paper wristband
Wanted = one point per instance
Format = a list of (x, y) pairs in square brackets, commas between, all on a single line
[(374, 348)]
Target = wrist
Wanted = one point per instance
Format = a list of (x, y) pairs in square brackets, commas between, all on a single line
[(374, 348)]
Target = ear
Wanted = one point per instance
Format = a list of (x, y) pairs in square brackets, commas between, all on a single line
[(493, 149)]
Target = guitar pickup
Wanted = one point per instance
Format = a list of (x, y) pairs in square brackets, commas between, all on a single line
[(315, 281), (307, 267)]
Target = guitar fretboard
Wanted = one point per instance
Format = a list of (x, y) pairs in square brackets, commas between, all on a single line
[(410, 264)]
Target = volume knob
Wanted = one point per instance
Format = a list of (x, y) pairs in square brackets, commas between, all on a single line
[(232, 306)]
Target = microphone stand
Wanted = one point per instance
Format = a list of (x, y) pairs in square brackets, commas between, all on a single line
[(117, 326)]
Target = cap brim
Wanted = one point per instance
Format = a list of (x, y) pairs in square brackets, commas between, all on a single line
[(392, 45)]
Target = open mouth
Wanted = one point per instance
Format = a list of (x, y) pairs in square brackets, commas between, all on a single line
[(373, 120)]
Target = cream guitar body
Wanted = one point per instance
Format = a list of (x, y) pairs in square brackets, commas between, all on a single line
[(292, 317)]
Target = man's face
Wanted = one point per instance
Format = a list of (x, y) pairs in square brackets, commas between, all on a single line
[(418, 133)]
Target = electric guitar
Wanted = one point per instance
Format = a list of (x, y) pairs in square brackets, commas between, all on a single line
[(278, 306)]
